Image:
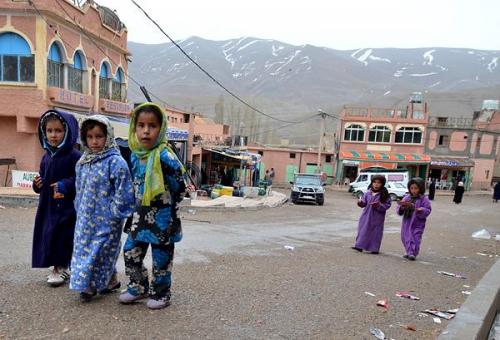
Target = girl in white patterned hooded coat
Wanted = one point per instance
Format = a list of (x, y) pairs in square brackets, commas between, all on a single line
[(104, 198)]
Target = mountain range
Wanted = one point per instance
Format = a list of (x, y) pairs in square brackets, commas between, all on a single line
[(290, 81)]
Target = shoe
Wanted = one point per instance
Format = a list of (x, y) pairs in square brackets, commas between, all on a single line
[(411, 258), (374, 252), (111, 289), (158, 304), (56, 279), (87, 296), (405, 256), (127, 298), (357, 249)]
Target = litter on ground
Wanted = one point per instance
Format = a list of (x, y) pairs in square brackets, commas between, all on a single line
[(482, 234), (407, 295), (377, 333), (442, 315), (458, 276)]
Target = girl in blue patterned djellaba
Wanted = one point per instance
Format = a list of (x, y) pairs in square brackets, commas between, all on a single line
[(104, 198), (159, 186)]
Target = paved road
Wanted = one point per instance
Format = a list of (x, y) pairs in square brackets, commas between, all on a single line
[(233, 277)]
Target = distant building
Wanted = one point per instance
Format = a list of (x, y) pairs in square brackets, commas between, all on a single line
[(49, 59), (389, 138), (466, 149)]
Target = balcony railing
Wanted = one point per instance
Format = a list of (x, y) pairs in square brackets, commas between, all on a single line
[(451, 122), (397, 113)]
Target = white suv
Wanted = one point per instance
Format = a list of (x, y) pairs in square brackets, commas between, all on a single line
[(396, 190)]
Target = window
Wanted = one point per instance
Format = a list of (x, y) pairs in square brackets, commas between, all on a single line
[(379, 134), (362, 178), (292, 154), (118, 87), (444, 140), (104, 82), (328, 158), (55, 67), (75, 73), (261, 153), (409, 135), (355, 133), (17, 63)]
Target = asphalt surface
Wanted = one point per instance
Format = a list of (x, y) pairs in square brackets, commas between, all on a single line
[(234, 278)]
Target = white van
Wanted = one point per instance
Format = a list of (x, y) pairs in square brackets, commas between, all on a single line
[(365, 178)]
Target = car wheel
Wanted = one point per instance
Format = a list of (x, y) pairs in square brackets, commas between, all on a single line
[(321, 202), (394, 197), (359, 195)]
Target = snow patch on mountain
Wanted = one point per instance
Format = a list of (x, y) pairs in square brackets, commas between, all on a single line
[(422, 74), (385, 94), (248, 44), (277, 49), (428, 57), (434, 85), (493, 64), (372, 57), (365, 56)]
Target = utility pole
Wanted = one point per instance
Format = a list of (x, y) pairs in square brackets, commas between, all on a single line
[(320, 146)]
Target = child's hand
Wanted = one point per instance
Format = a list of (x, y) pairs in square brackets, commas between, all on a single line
[(361, 204), (57, 194), (420, 209), (38, 181), (376, 204)]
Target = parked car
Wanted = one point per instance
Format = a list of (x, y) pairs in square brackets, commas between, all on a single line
[(392, 176), (396, 190), (308, 188)]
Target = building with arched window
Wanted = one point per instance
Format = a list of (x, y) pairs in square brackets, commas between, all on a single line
[(388, 138), (57, 54)]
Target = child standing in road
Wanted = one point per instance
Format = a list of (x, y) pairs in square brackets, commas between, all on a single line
[(104, 198), (159, 186), (375, 202), (415, 207), (55, 217)]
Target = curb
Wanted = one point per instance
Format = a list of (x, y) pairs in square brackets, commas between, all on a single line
[(19, 201), (477, 314)]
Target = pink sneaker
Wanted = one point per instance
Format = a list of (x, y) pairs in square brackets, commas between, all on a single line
[(127, 298)]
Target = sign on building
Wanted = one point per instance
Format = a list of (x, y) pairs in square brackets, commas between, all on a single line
[(23, 179)]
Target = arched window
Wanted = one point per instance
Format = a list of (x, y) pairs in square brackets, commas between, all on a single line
[(75, 73), (355, 133), (55, 67), (410, 135), (104, 81), (118, 86), (379, 134), (17, 63)]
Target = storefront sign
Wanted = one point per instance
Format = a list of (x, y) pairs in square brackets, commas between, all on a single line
[(23, 179), (350, 163), (63, 96), (112, 106)]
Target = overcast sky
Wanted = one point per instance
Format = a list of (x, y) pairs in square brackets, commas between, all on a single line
[(349, 24)]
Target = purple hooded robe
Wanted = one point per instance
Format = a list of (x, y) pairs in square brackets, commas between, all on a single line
[(55, 218), (371, 222), (413, 226)]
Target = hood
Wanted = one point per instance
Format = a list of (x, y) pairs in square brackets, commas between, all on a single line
[(109, 148), (71, 131), (133, 142), (419, 182)]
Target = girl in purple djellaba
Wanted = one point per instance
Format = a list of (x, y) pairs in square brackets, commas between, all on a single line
[(375, 202), (415, 207)]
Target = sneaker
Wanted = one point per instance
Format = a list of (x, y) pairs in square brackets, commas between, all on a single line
[(405, 256), (56, 279), (357, 249), (411, 258), (127, 298), (158, 304)]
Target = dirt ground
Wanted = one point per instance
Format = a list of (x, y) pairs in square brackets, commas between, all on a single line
[(234, 278)]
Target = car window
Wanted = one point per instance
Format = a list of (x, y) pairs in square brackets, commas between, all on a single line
[(309, 180), (399, 186), (363, 178)]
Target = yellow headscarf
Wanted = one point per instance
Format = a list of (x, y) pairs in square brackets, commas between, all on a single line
[(153, 181)]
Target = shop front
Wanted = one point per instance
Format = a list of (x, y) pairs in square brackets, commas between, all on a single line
[(448, 171), (351, 162)]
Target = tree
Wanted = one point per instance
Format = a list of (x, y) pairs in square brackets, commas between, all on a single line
[(219, 110)]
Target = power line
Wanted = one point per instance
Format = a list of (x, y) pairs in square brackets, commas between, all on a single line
[(231, 93)]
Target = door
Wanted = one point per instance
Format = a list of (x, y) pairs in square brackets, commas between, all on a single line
[(329, 171), (290, 172)]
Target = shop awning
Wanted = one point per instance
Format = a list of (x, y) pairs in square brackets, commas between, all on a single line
[(247, 157), (451, 162), (385, 157)]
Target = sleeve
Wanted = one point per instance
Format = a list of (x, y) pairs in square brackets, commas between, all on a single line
[(426, 206), (122, 204), (66, 186), (399, 208), (41, 173), (78, 186), (384, 206), (364, 199), (176, 178)]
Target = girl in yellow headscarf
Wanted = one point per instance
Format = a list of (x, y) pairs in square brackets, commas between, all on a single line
[(159, 186)]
